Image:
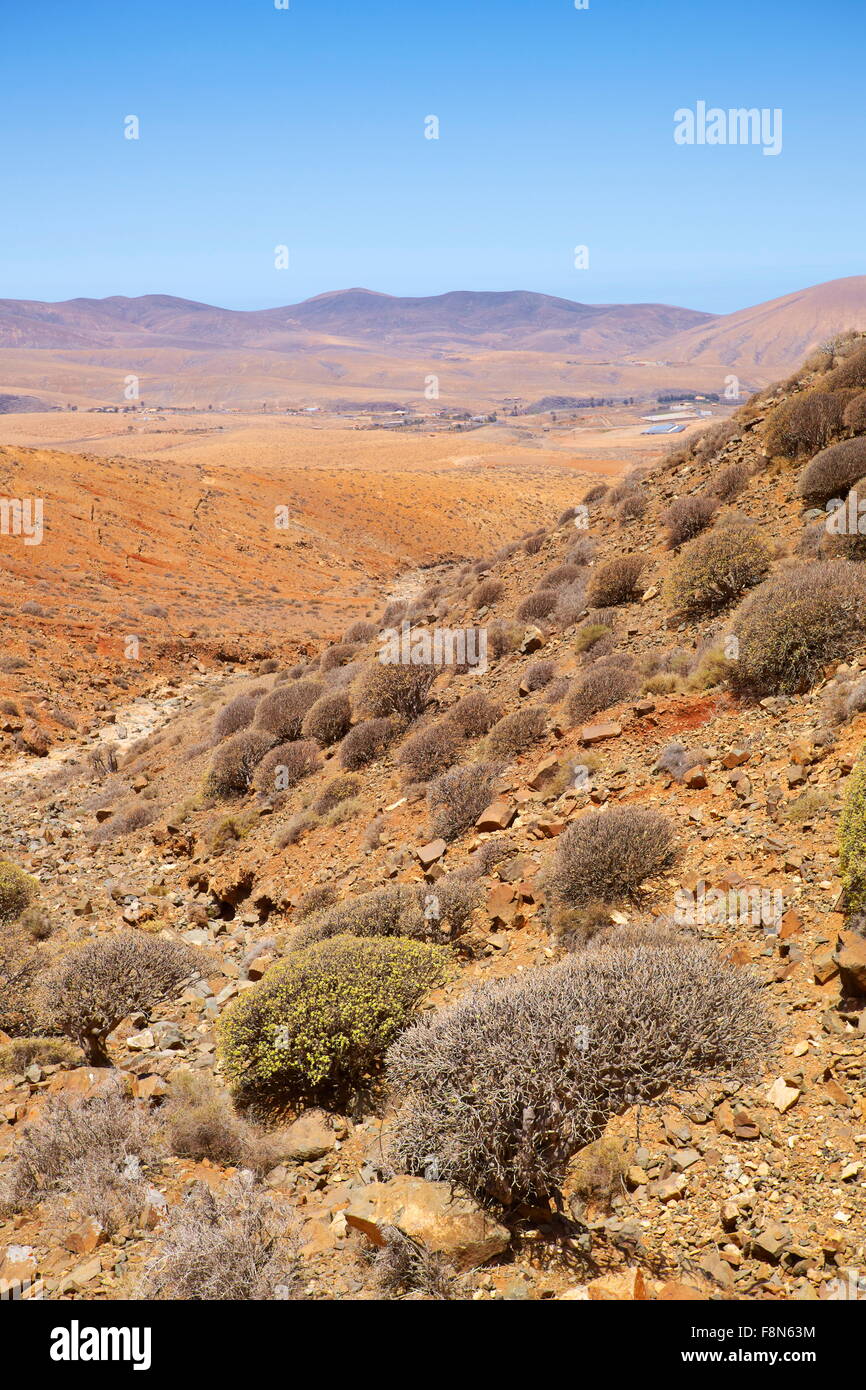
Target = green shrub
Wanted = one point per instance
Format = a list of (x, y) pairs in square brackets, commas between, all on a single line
[(713, 570), (17, 890), (834, 471), (319, 1021), (795, 623)]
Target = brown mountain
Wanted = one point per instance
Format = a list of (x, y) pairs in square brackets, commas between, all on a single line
[(772, 338)]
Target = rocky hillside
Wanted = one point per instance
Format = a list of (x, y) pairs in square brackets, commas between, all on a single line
[(538, 975)]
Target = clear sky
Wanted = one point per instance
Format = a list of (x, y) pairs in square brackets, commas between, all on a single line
[(305, 127)]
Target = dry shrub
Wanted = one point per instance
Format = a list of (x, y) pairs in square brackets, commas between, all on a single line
[(287, 765), (537, 606), (855, 413), (517, 732), (608, 854), (20, 1053), (729, 482), (430, 751), (807, 422), (20, 964), (238, 714), (849, 545), (597, 1173), (457, 798), (343, 787), (128, 819), (632, 506), (571, 604), (404, 1268), (850, 373), (234, 763), (589, 635), (367, 741), (676, 760), (475, 714), (201, 1123), (328, 719), (711, 440), (361, 631), (687, 517), (538, 674), (294, 828), (834, 471), (615, 582), (338, 655), (487, 592), (714, 570), (95, 987), (388, 689), (230, 1246), (595, 493), (281, 713), (603, 685), (96, 1147), (497, 1092), (797, 622), (581, 553), (562, 574), (503, 638), (533, 543), (574, 927)]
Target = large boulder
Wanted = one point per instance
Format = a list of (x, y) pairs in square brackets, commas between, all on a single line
[(432, 1214)]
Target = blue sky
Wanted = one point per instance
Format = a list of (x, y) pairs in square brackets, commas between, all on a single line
[(305, 127)]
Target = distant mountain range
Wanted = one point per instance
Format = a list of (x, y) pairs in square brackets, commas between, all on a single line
[(487, 344)]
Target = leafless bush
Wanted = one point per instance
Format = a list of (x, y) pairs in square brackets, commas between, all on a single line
[(294, 829), (457, 798), (96, 1147), (487, 592), (538, 674), (430, 751), (562, 574), (855, 413), (581, 552), (503, 638), (95, 987), (615, 582), (234, 763), (570, 604), (201, 1123), (807, 422), (235, 1245), (281, 713), (20, 964), (602, 686), (796, 622), (475, 714), (392, 689), (338, 655), (497, 1092), (533, 543), (287, 765), (361, 631), (340, 788), (632, 506), (517, 732), (238, 714), (729, 482), (608, 854), (834, 471), (676, 760), (367, 741), (328, 719), (688, 516), (595, 493), (404, 1268), (537, 606)]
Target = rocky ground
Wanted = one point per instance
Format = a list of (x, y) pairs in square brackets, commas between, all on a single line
[(734, 1191)]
